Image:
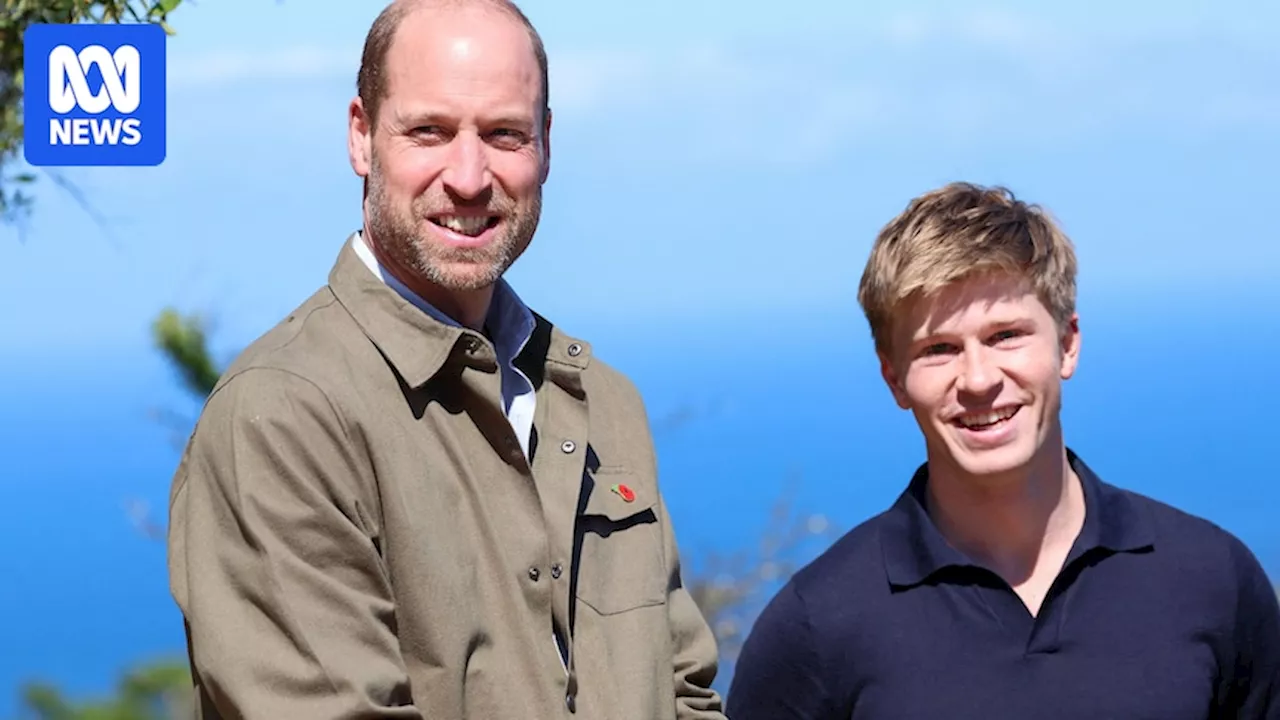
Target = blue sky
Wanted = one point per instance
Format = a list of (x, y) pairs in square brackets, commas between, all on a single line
[(737, 160), (719, 171)]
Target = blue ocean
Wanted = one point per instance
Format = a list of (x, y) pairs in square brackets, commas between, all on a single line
[(1180, 405)]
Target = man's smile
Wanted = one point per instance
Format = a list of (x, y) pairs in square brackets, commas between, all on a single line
[(468, 225)]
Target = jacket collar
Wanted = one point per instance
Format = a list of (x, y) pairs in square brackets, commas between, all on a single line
[(418, 342), (914, 549)]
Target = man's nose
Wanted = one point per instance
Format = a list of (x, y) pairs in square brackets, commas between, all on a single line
[(978, 375), (467, 172)]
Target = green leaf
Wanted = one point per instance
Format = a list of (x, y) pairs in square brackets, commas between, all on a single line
[(182, 340), (167, 6)]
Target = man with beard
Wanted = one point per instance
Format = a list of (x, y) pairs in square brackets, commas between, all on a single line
[(414, 497)]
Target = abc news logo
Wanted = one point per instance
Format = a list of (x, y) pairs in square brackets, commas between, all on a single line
[(95, 94), (69, 89)]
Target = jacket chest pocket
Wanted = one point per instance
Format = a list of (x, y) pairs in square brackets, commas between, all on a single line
[(620, 564)]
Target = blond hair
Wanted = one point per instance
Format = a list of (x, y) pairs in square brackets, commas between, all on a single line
[(958, 231)]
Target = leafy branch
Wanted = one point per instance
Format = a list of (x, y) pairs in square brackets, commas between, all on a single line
[(16, 180)]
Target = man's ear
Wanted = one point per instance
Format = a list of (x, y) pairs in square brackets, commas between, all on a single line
[(359, 138), (894, 380), (1070, 347), (546, 147)]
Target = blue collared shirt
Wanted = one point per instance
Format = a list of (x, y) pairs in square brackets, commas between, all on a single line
[(1156, 614)]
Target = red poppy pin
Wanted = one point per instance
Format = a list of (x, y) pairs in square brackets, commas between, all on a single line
[(626, 493)]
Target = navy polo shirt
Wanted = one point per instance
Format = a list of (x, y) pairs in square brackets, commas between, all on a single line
[(1157, 615)]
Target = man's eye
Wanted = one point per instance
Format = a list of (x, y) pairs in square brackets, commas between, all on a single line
[(1006, 335), (506, 137), (937, 349)]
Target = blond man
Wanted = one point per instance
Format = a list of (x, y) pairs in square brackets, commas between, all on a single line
[(1008, 580)]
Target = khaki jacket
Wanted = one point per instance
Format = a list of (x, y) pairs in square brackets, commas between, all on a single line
[(355, 531)]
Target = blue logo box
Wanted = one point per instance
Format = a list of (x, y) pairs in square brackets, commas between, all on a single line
[(94, 94)]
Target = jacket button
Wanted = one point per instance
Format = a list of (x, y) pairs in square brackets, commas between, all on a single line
[(575, 350), (534, 574), (568, 446), (555, 571)]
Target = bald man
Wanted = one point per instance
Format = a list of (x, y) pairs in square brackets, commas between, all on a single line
[(414, 497)]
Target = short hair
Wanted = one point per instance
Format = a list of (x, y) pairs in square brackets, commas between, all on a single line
[(958, 231), (371, 80)]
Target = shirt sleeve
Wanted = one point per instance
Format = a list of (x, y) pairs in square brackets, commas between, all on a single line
[(1255, 689), (274, 565), (778, 674)]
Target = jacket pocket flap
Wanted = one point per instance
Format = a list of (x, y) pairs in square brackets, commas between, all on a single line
[(614, 498)]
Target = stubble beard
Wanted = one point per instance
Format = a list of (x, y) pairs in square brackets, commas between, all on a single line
[(404, 240)]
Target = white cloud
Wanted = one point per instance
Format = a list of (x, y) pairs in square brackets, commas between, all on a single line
[(943, 74), (984, 26), (229, 67), (579, 82), (957, 75)]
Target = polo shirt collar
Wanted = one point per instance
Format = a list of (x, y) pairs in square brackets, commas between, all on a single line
[(1120, 526), (915, 549)]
